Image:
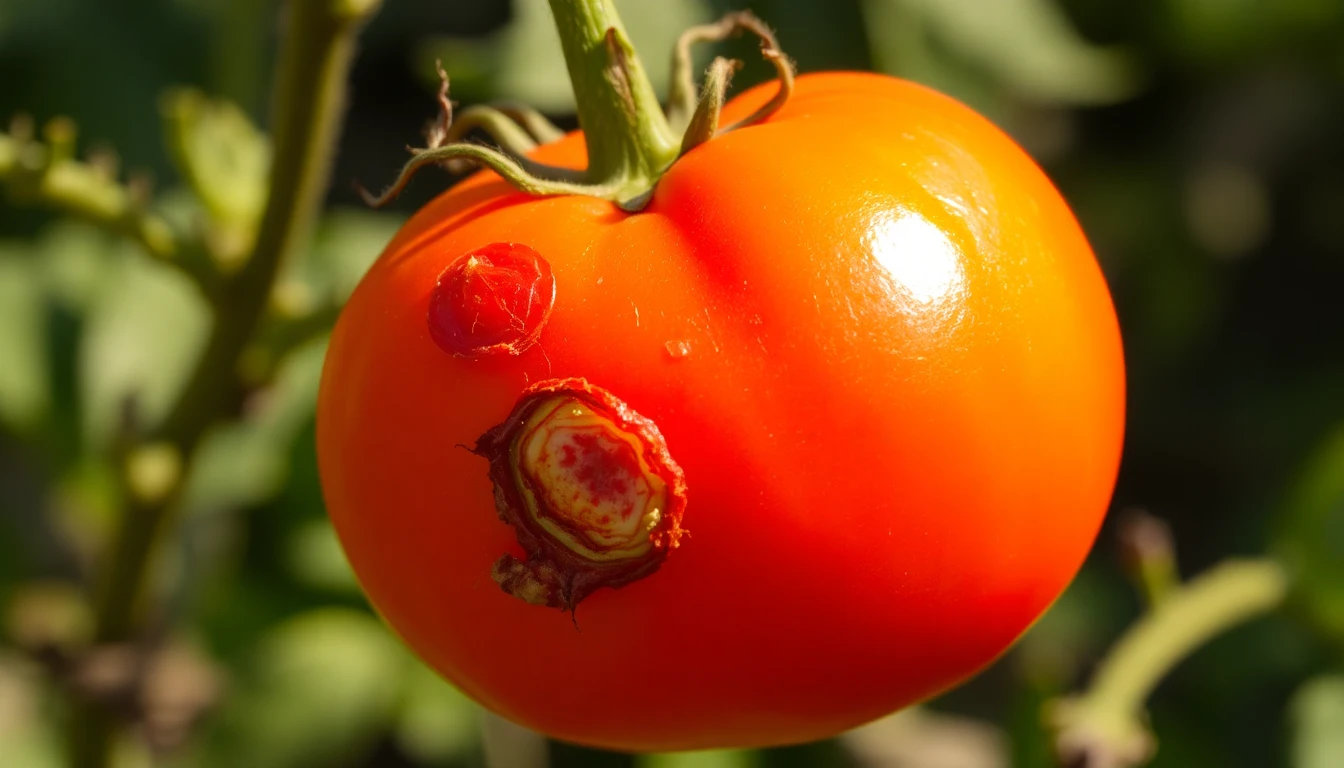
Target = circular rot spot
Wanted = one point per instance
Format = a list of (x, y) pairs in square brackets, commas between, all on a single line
[(492, 300), (590, 489)]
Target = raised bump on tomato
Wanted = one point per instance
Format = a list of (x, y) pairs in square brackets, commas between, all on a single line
[(493, 300)]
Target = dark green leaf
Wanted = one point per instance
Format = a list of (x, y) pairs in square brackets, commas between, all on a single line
[(146, 325), (245, 462), (1311, 539), (1027, 45)]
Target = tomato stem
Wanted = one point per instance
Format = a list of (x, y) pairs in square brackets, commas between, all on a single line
[(1106, 724), (630, 142), (628, 139)]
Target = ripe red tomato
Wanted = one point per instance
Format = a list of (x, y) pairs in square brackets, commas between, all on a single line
[(875, 347)]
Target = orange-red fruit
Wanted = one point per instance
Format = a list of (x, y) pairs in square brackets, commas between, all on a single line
[(897, 399)]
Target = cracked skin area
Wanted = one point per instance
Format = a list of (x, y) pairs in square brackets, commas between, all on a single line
[(899, 422)]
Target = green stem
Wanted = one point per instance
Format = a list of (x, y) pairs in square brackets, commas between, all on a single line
[(628, 138), (1205, 608), (307, 101), (93, 734), (239, 25), (1148, 554), (1109, 716), (314, 62)]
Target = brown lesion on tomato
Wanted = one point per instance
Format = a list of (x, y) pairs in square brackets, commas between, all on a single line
[(493, 300), (590, 489)]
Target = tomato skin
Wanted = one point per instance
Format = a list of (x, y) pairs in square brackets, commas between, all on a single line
[(899, 414)]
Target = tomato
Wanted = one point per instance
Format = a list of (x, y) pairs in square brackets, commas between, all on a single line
[(875, 345)]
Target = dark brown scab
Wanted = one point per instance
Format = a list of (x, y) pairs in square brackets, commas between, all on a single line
[(491, 301)]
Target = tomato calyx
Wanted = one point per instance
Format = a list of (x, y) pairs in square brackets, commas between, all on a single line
[(631, 142), (588, 484), (699, 120)]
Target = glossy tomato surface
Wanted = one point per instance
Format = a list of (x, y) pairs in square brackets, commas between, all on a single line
[(879, 347)]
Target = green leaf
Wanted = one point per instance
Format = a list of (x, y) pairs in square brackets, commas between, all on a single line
[(1029, 46), (23, 354), (900, 45), (74, 260), (144, 332), (1311, 539), (1316, 714), (222, 156), (245, 462), (437, 724), (317, 560), (524, 60), (346, 243), (320, 690)]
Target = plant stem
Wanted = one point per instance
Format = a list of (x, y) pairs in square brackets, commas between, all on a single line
[(239, 26), (32, 173), (629, 140), (623, 125), (1108, 718), (1206, 607), (314, 62), (1148, 553), (306, 104)]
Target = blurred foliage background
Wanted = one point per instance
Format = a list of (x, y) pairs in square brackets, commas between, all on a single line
[(1197, 140)]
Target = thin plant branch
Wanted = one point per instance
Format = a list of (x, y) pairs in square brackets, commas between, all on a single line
[(1106, 726), (47, 175)]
